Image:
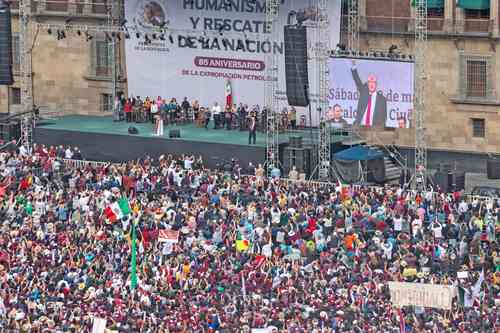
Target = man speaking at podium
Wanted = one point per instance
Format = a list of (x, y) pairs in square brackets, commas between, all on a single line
[(372, 104)]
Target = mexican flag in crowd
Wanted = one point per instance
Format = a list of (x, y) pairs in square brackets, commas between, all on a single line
[(117, 210), (466, 297)]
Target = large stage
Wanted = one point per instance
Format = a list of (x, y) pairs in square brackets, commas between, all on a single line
[(99, 138)]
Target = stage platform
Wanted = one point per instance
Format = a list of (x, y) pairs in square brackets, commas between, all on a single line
[(99, 138)]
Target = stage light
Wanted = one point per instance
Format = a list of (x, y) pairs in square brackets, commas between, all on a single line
[(49, 31)]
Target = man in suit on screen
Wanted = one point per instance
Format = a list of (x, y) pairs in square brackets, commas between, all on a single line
[(372, 104)]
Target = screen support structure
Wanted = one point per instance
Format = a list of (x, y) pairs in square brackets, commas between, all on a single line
[(271, 88), (420, 177), (322, 55), (353, 25), (26, 74)]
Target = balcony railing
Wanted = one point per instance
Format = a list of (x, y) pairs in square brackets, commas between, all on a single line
[(383, 24), (477, 25)]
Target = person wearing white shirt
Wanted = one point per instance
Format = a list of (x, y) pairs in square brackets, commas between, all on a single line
[(216, 112), (68, 154)]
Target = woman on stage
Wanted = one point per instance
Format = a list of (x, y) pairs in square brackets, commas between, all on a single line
[(158, 125)]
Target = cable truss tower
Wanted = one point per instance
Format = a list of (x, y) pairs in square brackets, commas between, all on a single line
[(271, 88), (353, 25), (322, 72), (25, 45), (420, 177)]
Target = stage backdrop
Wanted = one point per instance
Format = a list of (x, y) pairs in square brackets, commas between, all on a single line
[(350, 80), (179, 67)]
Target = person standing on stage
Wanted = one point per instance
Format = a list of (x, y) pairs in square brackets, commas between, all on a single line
[(216, 113), (242, 116), (205, 113), (185, 106), (252, 128), (128, 110), (116, 109), (154, 111)]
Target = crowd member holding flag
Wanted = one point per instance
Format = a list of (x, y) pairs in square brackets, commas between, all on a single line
[(168, 246)]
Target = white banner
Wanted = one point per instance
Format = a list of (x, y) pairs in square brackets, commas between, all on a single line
[(190, 65), (421, 294), (99, 325), (388, 83)]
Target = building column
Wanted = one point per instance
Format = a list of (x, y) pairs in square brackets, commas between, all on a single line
[(460, 20), (363, 22), (411, 21), (72, 7), (449, 6), (42, 6), (494, 19), (87, 7)]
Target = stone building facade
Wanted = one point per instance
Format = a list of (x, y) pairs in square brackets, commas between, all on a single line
[(71, 75), (462, 70)]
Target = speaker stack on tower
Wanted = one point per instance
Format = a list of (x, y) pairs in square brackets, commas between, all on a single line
[(449, 179), (493, 168), (6, 77), (297, 78)]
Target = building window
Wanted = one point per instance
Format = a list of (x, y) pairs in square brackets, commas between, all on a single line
[(57, 5), (477, 14), (106, 102), (16, 55), (99, 6), (476, 78), (102, 58), (478, 128), (15, 96), (435, 12)]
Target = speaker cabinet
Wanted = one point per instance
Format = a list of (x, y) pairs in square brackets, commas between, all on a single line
[(493, 168), (297, 78), (133, 130), (6, 77), (174, 133)]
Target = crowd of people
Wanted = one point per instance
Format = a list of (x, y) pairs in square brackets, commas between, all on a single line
[(171, 112), (224, 252)]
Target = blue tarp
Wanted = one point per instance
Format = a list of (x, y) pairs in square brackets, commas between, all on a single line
[(358, 153)]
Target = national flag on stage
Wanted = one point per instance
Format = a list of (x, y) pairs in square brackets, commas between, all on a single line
[(133, 261), (117, 210), (229, 93), (171, 236)]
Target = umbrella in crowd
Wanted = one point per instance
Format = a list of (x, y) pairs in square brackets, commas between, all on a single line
[(167, 245)]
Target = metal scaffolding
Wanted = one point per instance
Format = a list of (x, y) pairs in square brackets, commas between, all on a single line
[(322, 55), (420, 177), (353, 25), (271, 88), (25, 75)]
